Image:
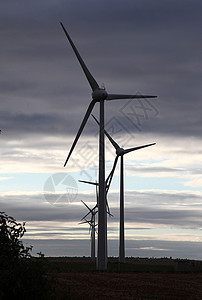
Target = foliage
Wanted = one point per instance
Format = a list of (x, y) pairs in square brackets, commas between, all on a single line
[(11, 247), (21, 275)]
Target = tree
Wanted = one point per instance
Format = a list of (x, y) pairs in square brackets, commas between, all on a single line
[(20, 274), (11, 247)]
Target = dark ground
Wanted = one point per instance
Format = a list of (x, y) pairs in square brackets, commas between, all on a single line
[(77, 278)]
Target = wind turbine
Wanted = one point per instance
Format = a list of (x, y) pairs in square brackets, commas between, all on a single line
[(93, 212), (96, 205), (92, 227), (98, 95), (107, 185), (120, 152)]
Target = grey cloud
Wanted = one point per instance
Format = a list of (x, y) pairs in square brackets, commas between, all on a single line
[(195, 171), (38, 208), (152, 208), (175, 249), (181, 210), (178, 218), (170, 217), (156, 169), (142, 46), (136, 248), (57, 247), (32, 123), (156, 45)]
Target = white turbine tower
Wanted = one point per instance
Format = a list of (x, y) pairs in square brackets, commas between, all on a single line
[(120, 152), (98, 95)]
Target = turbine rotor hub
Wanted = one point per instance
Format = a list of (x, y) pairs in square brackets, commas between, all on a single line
[(120, 151), (99, 94)]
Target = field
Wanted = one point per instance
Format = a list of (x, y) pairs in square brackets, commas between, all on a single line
[(77, 278)]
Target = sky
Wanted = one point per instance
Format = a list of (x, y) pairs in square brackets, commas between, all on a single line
[(134, 47)]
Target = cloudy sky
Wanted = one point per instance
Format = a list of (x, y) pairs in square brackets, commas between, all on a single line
[(136, 47)]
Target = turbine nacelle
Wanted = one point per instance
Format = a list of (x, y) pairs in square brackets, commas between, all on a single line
[(99, 94)]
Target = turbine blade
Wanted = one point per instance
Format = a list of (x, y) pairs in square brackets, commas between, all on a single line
[(94, 208), (84, 222), (85, 216), (86, 205), (122, 96), (88, 112), (89, 182), (93, 83), (116, 146), (109, 178), (137, 148), (108, 210)]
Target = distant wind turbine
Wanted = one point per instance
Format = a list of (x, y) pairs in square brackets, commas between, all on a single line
[(93, 212), (120, 152), (92, 224), (98, 95), (107, 185)]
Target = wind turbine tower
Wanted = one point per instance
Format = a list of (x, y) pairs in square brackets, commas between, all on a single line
[(98, 95), (120, 152)]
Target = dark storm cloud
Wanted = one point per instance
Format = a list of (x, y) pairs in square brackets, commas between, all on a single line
[(143, 46)]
